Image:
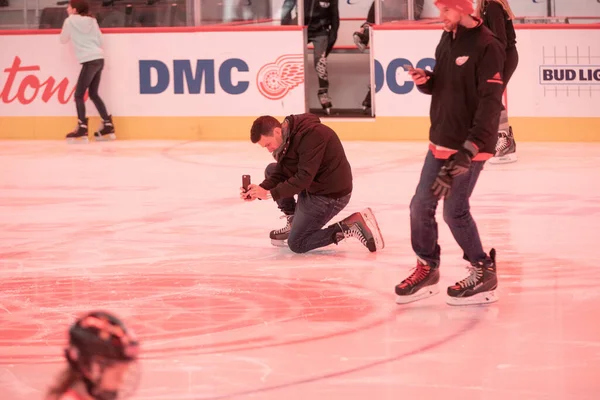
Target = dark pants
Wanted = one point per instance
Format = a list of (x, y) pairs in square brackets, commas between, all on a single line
[(510, 66), (457, 214), (89, 78), (320, 40), (311, 213)]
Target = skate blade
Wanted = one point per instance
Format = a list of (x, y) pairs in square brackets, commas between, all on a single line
[(374, 227), (279, 243), (106, 138), (509, 158), (424, 293), (79, 140), (479, 298)]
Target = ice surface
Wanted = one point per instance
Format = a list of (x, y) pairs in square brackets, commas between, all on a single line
[(155, 232)]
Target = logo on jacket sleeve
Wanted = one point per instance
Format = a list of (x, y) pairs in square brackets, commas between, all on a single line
[(496, 79), (276, 79), (462, 60)]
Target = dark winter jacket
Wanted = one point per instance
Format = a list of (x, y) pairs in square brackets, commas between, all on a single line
[(466, 87), (312, 159), (496, 18), (319, 15)]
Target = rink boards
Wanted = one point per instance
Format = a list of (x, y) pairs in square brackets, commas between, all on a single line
[(210, 83)]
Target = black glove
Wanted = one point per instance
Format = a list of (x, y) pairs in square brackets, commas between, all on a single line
[(460, 162), (441, 185)]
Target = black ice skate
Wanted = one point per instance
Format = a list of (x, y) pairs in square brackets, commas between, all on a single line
[(479, 287), (364, 227), (361, 37), (366, 104), (421, 284), (506, 148), (325, 100), (279, 237), (106, 131), (80, 133)]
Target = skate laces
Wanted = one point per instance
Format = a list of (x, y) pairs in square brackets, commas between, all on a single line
[(287, 227), (475, 275), (503, 142), (419, 273), (355, 232)]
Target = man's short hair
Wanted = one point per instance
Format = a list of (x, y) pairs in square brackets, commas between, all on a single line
[(263, 126)]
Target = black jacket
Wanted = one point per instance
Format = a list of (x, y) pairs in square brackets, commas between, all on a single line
[(496, 18), (466, 86), (319, 15), (313, 159)]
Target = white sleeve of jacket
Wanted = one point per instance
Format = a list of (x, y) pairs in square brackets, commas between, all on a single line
[(65, 33)]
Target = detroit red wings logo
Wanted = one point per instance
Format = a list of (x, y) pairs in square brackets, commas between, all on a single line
[(276, 79)]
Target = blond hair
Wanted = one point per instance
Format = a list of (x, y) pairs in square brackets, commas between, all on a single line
[(503, 3)]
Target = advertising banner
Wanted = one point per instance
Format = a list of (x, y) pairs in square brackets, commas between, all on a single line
[(160, 74), (558, 73)]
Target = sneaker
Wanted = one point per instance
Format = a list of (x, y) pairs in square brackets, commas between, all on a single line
[(506, 148), (364, 227), (421, 284), (477, 288), (279, 237)]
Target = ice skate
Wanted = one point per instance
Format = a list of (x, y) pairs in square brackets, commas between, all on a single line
[(80, 133), (361, 37), (506, 148), (106, 131), (421, 284), (325, 100), (366, 104), (364, 227), (479, 287), (279, 237)]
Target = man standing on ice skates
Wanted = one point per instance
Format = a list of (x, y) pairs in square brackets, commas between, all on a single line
[(311, 163), (466, 86)]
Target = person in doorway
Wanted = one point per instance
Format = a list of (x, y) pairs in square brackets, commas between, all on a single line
[(101, 357), (362, 37), (310, 163), (83, 31), (466, 88), (361, 40), (498, 17), (322, 18)]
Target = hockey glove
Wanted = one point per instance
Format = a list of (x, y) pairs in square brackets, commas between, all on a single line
[(460, 162), (441, 185)]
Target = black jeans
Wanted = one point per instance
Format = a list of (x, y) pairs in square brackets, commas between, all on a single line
[(320, 40), (89, 78), (510, 66), (457, 213), (311, 213)]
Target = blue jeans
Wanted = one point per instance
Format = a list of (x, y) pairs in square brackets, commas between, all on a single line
[(457, 214), (311, 213)]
